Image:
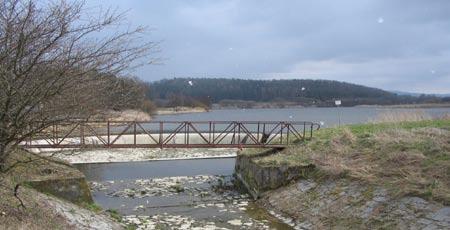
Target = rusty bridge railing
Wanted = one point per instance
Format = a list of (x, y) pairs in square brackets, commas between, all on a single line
[(173, 134)]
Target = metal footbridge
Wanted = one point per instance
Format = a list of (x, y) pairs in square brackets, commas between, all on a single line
[(173, 134)]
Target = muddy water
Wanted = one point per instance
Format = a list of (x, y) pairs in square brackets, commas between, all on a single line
[(178, 194)]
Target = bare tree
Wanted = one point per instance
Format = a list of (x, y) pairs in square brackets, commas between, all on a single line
[(54, 56)]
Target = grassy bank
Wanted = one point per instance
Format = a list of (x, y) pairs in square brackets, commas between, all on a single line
[(23, 207), (407, 158), (29, 166)]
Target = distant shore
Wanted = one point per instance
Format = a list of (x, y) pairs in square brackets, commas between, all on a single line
[(180, 110), (410, 106), (276, 106)]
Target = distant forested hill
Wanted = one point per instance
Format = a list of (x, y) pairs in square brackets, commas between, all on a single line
[(182, 91)]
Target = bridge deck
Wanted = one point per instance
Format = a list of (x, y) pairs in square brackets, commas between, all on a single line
[(173, 134)]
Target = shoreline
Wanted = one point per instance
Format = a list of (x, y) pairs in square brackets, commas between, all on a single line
[(179, 110), (399, 106), (407, 106)]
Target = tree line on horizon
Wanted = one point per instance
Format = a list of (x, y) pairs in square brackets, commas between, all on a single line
[(305, 92)]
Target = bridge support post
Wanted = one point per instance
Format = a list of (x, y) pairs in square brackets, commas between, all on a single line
[(82, 134), (161, 134), (108, 134), (134, 133)]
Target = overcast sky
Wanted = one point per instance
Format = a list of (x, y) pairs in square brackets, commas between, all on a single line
[(391, 44)]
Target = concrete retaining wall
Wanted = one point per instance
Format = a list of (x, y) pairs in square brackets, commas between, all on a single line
[(74, 189), (260, 178)]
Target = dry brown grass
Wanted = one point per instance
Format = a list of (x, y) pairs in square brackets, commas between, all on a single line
[(34, 216), (446, 116), (401, 116), (29, 166), (408, 159), (333, 164)]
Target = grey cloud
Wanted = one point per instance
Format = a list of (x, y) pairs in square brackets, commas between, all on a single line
[(340, 40)]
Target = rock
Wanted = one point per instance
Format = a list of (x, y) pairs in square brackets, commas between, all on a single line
[(288, 221), (415, 202), (235, 222), (185, 226), (431, 227), (304, 225), (424, 221), (305, 185), (442, 215), (380, 195), (227, 202)]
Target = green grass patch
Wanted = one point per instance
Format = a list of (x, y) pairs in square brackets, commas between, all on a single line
[(93, 207), (114, 214)]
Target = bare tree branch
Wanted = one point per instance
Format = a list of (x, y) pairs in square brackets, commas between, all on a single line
[(58, 62)]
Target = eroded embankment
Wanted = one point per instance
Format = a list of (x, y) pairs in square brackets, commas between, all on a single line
[(373, 176)]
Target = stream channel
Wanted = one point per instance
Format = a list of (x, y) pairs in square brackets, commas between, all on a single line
[(177, 194)]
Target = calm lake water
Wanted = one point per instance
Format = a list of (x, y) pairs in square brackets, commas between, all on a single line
[(173, 193), (329, 116)]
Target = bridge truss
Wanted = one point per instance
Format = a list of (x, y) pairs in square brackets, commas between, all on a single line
[(173, 134)]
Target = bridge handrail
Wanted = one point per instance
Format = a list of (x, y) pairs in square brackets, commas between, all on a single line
[(261, 133), (191, 121)]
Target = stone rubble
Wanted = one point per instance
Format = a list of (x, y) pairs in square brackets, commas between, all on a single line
[(165, 221), (213, 193), (167, 186)]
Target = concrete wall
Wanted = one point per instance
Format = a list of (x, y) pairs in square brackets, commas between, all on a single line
[(257, 179), (73, 189)]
